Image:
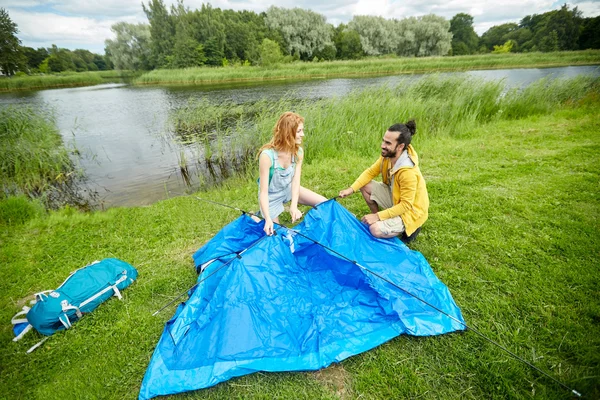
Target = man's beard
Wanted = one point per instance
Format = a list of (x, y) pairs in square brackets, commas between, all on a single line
[(389, 154)]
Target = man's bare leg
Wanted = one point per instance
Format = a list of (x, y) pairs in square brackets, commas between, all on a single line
[(366, 193)]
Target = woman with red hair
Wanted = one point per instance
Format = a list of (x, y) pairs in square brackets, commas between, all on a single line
[(280, 167)]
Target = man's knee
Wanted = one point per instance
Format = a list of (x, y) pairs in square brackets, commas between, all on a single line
[(365, 191), (376, 232)]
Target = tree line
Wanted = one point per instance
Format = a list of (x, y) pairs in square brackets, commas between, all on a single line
[(17, 59), (180, 37), (557, 30)]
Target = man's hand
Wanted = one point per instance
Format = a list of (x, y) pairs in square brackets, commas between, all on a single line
[(370, 219), (295, 214), (346, 192), (268, 227)]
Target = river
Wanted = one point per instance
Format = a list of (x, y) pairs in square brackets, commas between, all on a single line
[(120, 129)]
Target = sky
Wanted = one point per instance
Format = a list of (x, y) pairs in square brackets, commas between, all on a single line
[(85, 24)]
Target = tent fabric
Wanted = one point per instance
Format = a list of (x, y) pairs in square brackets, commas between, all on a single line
[(287, 304)]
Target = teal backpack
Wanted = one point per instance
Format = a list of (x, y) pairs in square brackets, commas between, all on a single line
[(83, 291)]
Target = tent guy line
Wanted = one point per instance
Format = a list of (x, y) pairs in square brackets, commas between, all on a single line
[(573, 391)]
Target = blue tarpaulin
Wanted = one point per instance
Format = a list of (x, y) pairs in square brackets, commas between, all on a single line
[(285, 303)]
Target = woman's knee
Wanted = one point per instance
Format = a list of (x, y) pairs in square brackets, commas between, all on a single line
[(310, 198)]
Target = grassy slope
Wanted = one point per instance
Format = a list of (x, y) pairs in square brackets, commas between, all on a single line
[(513, 232)]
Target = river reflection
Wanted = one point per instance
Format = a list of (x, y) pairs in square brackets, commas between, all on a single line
[(122, 131)]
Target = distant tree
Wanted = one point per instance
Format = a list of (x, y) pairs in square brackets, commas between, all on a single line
[(12, 58), (590, 34), (327, 53), (432, 36), (131, 48), (162, 32), (304, 31), (87, 57), (244, 33), (207, 28), (404, 36), (464, 38), (549, 42), (377, 34), (567, 24), (270, 53), (213, 49), (100, 63), (60, 60), (35, 57), (347, 43), (187, 51), (497, 35)]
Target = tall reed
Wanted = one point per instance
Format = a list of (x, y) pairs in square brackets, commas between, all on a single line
[(355, 123), (33, 158)]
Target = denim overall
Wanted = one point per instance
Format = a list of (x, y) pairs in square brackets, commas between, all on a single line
[(280, 185)]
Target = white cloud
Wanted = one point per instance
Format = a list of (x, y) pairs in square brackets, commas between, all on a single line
[(589, 8), (80, 32), (100, 9)]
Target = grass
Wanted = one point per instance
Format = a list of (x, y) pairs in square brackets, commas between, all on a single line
[(65, 79), (33, 157), (513, 232), (366, 67)]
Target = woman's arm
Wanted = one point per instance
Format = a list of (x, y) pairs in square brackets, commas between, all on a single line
[(264, 165), (294, 212)]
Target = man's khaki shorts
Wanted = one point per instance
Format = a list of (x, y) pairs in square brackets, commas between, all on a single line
[(382, 195)]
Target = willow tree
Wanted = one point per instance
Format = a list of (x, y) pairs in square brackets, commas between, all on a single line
[(303, 31), (130, 50), (432, 36), (377, 34)]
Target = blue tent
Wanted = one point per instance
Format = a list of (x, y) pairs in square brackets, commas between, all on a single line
[(285, 303)]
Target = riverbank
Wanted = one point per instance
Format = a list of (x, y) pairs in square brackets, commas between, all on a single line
[(366, 67), (512, 232), (62, 80)]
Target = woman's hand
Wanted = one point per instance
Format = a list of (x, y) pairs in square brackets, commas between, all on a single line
[(295, 214), (346, 192), (268, 226)]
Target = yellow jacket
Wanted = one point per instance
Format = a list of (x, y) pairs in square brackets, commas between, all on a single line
[(409, 192)]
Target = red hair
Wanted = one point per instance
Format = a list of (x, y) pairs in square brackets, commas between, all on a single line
[(284, 134)]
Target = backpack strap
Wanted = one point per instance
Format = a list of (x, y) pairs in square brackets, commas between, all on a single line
[(19, 321)]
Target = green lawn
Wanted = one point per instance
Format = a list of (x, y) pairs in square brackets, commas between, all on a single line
[(513, 231)]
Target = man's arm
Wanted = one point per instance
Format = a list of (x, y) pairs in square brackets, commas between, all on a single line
[(364, 178)]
